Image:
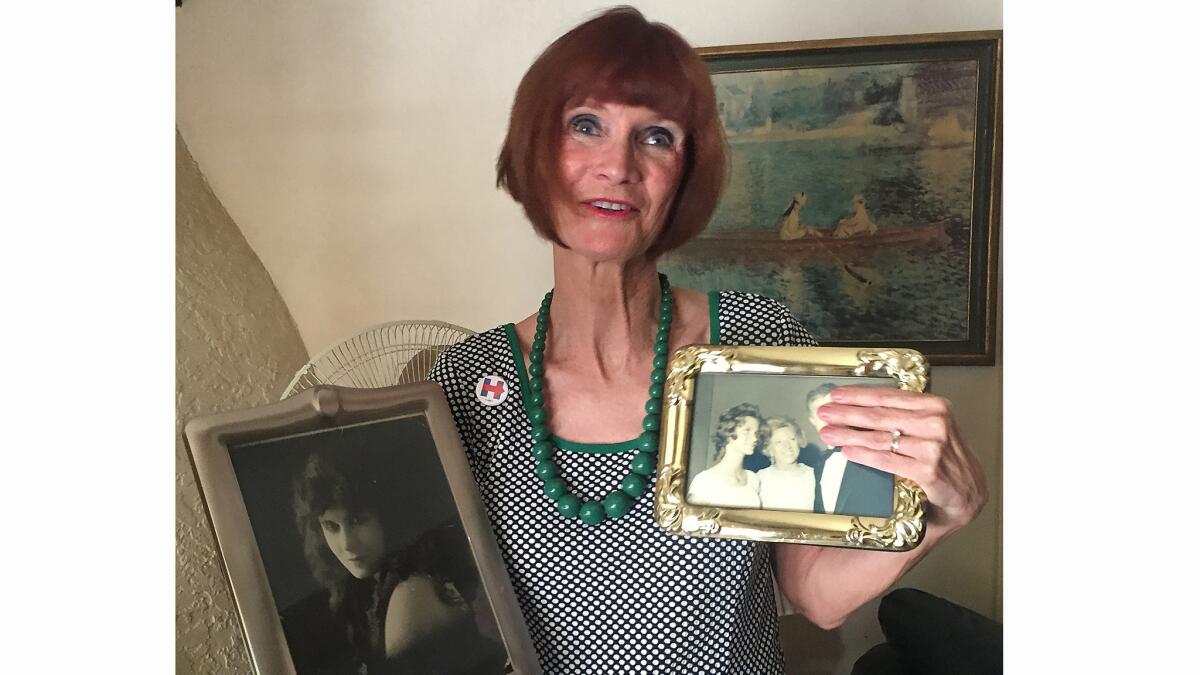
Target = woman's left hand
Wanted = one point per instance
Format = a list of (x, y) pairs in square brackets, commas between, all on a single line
[(930, 450)]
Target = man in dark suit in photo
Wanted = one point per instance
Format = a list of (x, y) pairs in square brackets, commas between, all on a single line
[(843, 487)]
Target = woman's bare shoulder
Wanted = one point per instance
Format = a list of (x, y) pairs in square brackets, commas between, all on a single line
[(415, 611)]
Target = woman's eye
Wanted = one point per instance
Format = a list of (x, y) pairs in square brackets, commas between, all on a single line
[(659, 136), (585, 124), (329, 526)]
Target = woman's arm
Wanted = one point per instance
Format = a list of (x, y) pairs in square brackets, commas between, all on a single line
[(827, 584)]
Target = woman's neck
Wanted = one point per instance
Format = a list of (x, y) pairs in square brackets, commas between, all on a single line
[(608, 310), (730, 464)]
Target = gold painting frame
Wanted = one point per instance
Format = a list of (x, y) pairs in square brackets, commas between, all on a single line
[(901, 531)]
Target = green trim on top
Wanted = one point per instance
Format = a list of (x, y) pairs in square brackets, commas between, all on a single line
[(594, 448), (714, 322), (561, 443)]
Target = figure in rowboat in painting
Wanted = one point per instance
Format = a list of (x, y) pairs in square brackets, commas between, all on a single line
[(791, 227), (858, 223)]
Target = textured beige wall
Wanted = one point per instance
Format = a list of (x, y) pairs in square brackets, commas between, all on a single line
[(235, 346)]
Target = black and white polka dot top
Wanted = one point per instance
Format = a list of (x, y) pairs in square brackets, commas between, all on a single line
[(622, 596)]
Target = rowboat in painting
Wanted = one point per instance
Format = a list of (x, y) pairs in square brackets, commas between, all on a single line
[(760, 243)]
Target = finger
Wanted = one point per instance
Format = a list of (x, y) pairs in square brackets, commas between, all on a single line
[(889, 397), (910, 446), (882, 460), (907, 422)]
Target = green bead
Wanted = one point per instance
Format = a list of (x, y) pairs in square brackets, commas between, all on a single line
[(537, 369), (656, 390), (654, 406), (539, 344), (648, 441), (633, 485), (661, 348), (537, 415), (543, 450), (537, 399), (663, 337), (642, 463), (660, 361), (657, 376), (537, 384), (536, 356), (568, 505), (540, 432), (591, 513), (546, 469), (555, 488), (616, 504), (650, 423)]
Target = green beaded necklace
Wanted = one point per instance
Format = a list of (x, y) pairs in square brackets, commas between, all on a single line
[(617, 502)]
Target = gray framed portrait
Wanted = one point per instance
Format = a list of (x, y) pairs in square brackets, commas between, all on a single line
[(864, 189), (743, 457), (351, 532)]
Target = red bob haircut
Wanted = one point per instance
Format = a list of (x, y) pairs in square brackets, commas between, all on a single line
[(617, 57)]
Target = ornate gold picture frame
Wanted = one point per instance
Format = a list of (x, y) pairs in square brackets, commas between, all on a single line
[(322, 502), (716, 393)]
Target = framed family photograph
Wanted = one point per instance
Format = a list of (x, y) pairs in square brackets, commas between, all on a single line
[(353, 537), (864, 189), (742, 455)]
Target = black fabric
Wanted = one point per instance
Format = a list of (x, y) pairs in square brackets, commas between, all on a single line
[(932, 636), (882, 659)]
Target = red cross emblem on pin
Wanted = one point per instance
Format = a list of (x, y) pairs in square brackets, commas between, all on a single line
[(491, 390)]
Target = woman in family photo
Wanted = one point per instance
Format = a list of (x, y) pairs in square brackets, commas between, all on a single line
[(400, 608), (726, 482), (786, 484)]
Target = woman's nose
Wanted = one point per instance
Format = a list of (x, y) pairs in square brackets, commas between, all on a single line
[(618, 162), (347, 540)]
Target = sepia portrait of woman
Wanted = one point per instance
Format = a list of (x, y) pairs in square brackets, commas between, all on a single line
[(402, 607)]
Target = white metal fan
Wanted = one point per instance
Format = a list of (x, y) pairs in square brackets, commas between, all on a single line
[(399, 352)]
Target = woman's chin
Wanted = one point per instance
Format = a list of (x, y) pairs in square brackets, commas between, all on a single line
[(607, 243), (608, 251)]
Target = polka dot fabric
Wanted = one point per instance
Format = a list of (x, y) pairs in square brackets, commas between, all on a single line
[(623, 596)]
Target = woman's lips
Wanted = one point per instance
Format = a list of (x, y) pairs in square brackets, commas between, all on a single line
[(610, 208)]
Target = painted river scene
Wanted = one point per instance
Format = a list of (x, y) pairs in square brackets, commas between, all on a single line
[(850, 198)]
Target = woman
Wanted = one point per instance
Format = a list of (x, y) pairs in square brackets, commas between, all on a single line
[(786, 484), (403, 610), (615, 152), (726, 482)]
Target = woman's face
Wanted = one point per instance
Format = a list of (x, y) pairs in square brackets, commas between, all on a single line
[(744, 434), (784, 446), (620, 166), (356, 539)]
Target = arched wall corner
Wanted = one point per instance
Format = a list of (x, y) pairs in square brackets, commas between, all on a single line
[(236, 346)]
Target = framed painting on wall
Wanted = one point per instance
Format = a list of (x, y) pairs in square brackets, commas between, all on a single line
[(864, 189)]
